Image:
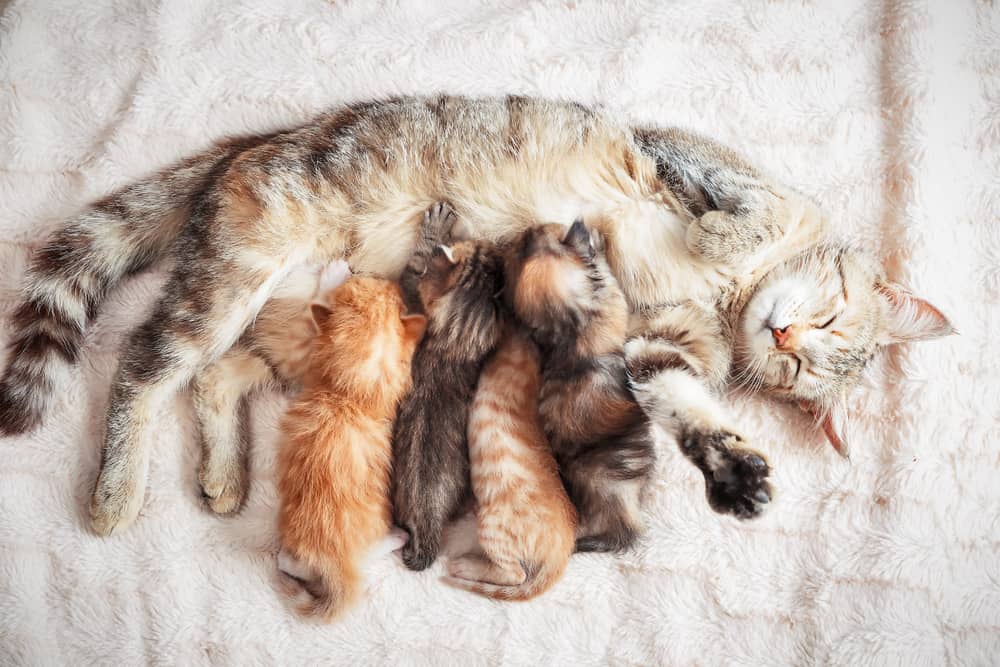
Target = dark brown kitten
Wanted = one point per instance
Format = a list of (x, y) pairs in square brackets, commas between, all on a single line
[(458, 290), (560, 287)]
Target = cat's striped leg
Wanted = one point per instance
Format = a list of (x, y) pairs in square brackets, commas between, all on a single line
[(208, 302), (672, 369), (220, 402)]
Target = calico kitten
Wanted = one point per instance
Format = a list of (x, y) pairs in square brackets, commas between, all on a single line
[(274, 352), (526, 523), (691, 229), (560, 287), (334, 466), (458, 290)]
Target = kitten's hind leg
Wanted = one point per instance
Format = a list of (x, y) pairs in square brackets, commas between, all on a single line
[(474, 567), (208, 302), (220, 402)]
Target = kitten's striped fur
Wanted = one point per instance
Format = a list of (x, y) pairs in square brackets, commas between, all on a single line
[(526, 523), (685, 219)]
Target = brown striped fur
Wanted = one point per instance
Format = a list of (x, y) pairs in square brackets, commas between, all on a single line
[(526, 523), (685, 220)]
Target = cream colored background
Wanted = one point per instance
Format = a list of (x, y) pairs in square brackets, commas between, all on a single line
[(887, 113)]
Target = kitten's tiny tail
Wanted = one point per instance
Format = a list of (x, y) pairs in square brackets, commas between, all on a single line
[(322, 587), (539, 580)]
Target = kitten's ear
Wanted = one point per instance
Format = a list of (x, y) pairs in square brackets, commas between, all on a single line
[(578, 238), (414, 326), (908, 318), (320, 314), (832, 426)]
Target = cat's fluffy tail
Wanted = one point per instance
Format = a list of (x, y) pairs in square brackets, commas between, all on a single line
[(321, 587), (539, 579), (71, 274)]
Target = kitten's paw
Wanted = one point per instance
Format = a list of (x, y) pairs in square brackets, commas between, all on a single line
[(735, 477), (438, 222), (115, 503), (417, 556), (223, 491)]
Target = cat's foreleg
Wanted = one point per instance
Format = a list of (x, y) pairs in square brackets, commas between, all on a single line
[(664, 381), (435, 230), (737, 209)]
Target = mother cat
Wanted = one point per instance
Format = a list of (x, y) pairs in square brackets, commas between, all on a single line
[(707, 250)]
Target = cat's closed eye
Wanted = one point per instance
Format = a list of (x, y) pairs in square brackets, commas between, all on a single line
[(827, 324)]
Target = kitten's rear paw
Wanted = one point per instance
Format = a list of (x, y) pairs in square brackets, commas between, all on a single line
[(115, 503), (735, 477), (416, 556)]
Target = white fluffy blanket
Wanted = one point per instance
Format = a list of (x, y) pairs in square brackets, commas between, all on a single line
[(888, 113)]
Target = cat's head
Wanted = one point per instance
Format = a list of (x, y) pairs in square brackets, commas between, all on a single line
[(461, 293), (559, 285), (814, 322), (366, 340)]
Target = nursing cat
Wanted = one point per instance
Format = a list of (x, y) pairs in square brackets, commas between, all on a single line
[(698, 239)]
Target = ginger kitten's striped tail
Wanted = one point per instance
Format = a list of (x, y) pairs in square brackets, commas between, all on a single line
[(70, 276), (538, 579)]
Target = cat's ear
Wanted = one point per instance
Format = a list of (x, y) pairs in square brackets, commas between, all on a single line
[(320, 314), (578, 238), (908, 318), (833, 426), (414, 326)]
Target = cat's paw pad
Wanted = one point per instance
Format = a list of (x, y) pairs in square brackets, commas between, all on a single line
[(736, 478), (438, 222), (222, 494)]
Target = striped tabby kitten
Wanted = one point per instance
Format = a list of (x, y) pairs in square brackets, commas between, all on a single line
[(334, 466), (458, 290), (693, 234), (526, 524), (560, 287)]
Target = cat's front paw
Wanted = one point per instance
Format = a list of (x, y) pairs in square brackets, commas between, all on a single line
[(714, 237), (736, 478), (439, 220)]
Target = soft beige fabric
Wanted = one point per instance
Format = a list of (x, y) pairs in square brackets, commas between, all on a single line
[(887, 113)]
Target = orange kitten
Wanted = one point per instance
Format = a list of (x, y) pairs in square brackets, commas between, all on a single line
[(335, 463), (526, 523)]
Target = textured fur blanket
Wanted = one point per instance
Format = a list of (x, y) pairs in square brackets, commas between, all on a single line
[(888, 113)]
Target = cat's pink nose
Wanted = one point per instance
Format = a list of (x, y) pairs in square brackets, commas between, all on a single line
[(781, 335)]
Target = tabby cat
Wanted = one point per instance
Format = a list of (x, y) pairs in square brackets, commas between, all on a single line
[(717, 261), (560, 287), (526, 523), (458, 290)]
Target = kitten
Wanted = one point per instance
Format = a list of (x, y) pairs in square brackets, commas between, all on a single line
[(458, 290), (274, 352), (691, 229), (334, 467), (560, 287), (526, 523)]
